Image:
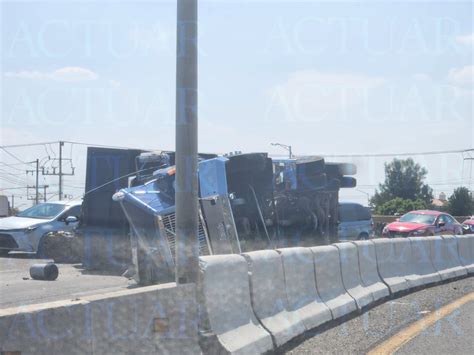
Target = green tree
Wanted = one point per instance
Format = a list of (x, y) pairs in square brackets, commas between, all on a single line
[(400, 206), (461, 202), (403, 179)]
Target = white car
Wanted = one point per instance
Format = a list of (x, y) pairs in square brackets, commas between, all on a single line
[(25, 231)]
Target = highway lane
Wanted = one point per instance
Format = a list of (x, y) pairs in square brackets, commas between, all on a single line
[(362, 333), (451, 334), (17, 288)]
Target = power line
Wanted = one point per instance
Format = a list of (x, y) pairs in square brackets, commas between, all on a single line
[(12, 181), (396, 154), (13, 166), (105, 146), (14, 156), (26, 145), (8, 173)]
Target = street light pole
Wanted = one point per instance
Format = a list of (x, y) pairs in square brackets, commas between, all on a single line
[(186, 194), (367, 194), (284, 146)]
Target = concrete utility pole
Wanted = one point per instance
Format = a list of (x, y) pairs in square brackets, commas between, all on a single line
[(37, 182), (187, 221), (60, 174), (60, 170)]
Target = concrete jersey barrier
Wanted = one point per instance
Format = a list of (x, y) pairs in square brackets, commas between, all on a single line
[(404, 259), (466, 251), (445, 257), (368, 269), (351, 274), (225, 295), (153, 319), (300, 282), (388, 265), (268, 294), (329, 281), (421, 260)]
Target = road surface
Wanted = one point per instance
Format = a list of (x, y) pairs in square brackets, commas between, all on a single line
[(363, 333), (17, 288), (451, 334)]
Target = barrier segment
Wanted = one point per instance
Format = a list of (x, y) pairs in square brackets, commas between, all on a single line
[(445, 257), (52, 328), (161, 318), (368, 269), (300, 282), (225, 295), (404, 259), (388, 266), (466, 251), (153, 319), (421, 260), (267, 290), (329, 281), (351, 274)]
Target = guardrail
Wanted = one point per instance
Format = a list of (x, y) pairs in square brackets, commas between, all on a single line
[(278, 295)]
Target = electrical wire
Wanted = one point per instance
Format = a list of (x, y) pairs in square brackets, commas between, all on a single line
[(27, 145), (396, 154), (14, 156), (11, 181)]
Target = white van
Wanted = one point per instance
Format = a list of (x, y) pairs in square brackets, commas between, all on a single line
[(355, 222)]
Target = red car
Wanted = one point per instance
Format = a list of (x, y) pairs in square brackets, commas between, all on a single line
[(423, 223), (468, 226)]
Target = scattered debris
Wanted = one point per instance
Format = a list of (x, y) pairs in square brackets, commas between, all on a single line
[(47, 271)]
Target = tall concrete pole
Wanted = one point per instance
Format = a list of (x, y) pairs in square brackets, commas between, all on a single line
[(187, 222), (61, 170), (37, 182)]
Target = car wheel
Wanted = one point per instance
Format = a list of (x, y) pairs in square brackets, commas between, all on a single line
[(4, 252), (363, 236)]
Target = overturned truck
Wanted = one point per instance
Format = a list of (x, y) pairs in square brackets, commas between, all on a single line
[(247, 202)]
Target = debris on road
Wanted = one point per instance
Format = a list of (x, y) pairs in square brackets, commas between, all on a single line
[(47, 272)]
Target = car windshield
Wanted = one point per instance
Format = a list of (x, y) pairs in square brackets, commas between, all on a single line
[(42, 211), (418, 218)]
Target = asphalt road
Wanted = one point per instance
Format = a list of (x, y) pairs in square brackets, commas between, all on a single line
[(17, 288), (451, 334), (361, 333)]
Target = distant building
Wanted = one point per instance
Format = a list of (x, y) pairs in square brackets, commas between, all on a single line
[(441, 201)]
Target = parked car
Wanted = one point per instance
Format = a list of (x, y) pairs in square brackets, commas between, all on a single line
[(355, 222), (423, 223), (25, 231), (468, 226)]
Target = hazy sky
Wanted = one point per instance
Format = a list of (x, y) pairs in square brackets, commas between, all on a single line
[(326, 77)]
